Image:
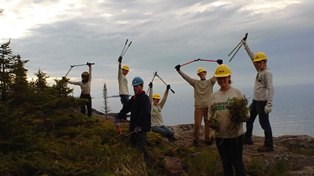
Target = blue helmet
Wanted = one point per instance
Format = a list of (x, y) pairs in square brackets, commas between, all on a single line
[(137, 81)]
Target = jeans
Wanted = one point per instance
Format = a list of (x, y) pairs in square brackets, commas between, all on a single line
[(257, 108), (230, 151), (139, 141), (87, 105), (163, 130)]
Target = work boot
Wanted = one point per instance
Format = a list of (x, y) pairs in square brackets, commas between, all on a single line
[(248, 141), (265, 148)]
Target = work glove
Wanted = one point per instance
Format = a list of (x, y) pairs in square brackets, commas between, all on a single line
[(177, 67), (268, 107), (244, 43), (117, 122), (89, 64), (150, 85), (219, 61), (168, 87), (120, 59), (137, 129)]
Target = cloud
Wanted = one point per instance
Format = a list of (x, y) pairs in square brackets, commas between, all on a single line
[(56, 34)]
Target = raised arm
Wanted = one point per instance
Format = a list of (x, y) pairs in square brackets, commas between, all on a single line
[(249, 52), (90, 72), (184, 76), (164, 97), (150, 85)]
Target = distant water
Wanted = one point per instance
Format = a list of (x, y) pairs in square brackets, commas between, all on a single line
[(293, 109)]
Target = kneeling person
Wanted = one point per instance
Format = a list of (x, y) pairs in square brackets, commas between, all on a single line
[(157, 121)]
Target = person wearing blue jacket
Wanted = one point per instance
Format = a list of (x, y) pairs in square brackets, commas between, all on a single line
[(140, 121)]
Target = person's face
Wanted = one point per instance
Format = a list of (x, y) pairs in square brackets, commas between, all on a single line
[(223, 82), (202, 75), (261, 65), (137, 89), (155, 101), (125, 72)]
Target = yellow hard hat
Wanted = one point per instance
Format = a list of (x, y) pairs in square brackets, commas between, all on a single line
[(201, 69), (125, 67), (259, 56), (222, 71), (156, 96)]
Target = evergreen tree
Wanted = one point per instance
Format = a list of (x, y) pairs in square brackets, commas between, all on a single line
[(7, 61), (20, 85), (41, 82), (61, 89)]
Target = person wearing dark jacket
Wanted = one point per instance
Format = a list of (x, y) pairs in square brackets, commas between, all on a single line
[(140, 121)]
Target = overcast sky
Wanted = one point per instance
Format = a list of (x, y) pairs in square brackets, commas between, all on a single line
[(54, 35)]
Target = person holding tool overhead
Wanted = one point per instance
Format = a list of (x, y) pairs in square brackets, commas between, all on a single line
[(262, 100), (122, 73), (202, 90), (85, 85), (123, 82), (157, 120)]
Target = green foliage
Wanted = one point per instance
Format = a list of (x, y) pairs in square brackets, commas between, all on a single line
[(60, 89), (7, 61), (261, 167), (41, 82), (205, 162), (238, 110)]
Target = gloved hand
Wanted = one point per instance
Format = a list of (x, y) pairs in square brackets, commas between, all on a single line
[(150, 85), (117, 122), (168, 87), (244, 43), (137, 129), (89, 64), (120, 59), (63, 77), (177, 67), (219, 61), (268, 107)]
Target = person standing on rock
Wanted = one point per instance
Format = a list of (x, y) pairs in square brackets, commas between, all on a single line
[(262, 100), (202, 90), (229, 136), (85, 85), (140, 121), (123, 82), (157, 120)]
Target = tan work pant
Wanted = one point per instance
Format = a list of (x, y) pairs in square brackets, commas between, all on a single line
[(200, 113)]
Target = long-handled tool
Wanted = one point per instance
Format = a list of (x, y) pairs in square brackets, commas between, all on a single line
[(237, 48), (77, 66), (125, 47), (164, 82), (134, 131), (219, 61), (155, 73)]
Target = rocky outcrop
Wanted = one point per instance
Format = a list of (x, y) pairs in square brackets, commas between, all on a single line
[(297, 151)]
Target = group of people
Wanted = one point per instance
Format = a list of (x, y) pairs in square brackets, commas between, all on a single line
[(146, 109)]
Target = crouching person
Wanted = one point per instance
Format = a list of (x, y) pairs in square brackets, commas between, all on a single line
[(157, 120)]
